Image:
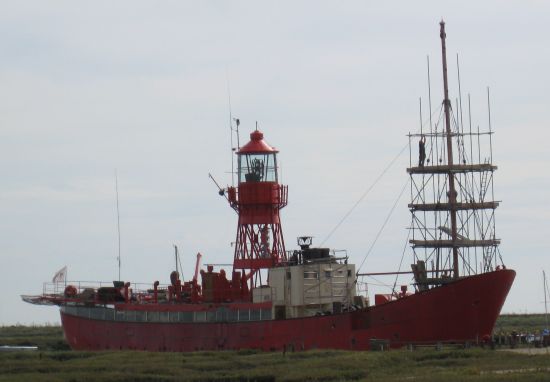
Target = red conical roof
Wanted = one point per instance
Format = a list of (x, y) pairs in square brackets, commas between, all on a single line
[(257, 145)]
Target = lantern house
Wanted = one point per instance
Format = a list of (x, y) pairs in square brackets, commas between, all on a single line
[(257, 199)]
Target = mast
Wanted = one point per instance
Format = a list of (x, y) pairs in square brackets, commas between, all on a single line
[(453, 216), (452, 190)]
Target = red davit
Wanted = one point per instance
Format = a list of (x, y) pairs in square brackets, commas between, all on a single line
[(308, 298)]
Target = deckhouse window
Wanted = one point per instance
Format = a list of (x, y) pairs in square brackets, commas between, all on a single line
[(311, 275)]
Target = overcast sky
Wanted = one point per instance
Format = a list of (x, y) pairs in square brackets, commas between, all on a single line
[(142, 87)]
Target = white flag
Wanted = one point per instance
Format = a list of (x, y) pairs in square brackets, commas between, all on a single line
[(60, 275)]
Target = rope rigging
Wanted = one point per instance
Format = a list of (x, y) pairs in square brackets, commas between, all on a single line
[(364, 195), (383, 225), (401, 261)]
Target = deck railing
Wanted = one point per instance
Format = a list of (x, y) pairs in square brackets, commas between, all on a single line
[(58, 288)]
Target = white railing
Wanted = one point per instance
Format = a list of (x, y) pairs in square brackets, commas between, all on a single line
[(58, 288)]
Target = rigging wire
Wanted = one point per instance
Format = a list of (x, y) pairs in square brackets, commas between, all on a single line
[(401, 261), (378, 283), (364, 195), (383, 225)]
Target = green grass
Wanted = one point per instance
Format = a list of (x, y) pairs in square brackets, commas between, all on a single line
[(521, 323), (53, 362), (425, 365), (45, 337)]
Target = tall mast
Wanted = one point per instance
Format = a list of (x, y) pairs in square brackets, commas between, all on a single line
[(450, 213), (452, 191)]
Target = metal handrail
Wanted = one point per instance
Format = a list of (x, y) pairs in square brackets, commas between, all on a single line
[(58, 288)]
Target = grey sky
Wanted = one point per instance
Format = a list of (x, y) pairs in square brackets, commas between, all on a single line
[(141, 86)]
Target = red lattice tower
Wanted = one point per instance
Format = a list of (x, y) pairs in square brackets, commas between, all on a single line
[(258, 198)]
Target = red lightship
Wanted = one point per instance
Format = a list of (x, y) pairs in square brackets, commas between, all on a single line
[(307, 298)]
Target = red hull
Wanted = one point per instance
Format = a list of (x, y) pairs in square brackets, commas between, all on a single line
[(462, 311)]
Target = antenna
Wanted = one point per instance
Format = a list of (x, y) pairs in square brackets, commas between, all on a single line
[(179, 267), (545, 305), (118, 222), (459, 109), (460, 95), (236, 130), (231, 131), (221, 191), (430, 108), (420, 102), (490, 128), (237, 123), (429, 91), (176, 255)]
